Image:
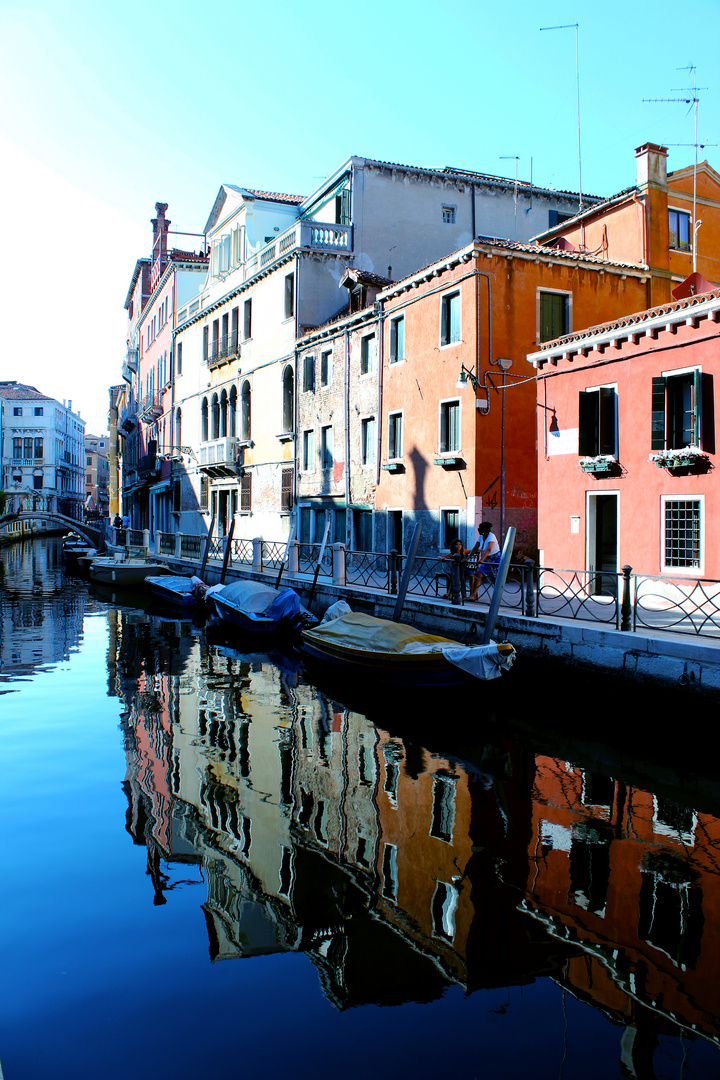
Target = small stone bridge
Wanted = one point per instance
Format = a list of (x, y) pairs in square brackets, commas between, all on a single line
[(52, 519)]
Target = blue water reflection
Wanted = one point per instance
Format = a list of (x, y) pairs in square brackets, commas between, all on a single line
[(172, 807)]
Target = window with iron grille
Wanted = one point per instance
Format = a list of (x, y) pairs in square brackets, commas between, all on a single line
[(203, 492), (682, 533), (246, 492), (286, 490)]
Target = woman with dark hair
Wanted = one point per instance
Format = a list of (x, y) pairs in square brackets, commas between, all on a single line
[(488, 558), (456, 548)]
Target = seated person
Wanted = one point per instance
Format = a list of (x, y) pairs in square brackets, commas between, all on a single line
[(456, 548), (488, 550)]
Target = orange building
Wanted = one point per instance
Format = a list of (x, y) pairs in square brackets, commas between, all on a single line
[(631, 877)]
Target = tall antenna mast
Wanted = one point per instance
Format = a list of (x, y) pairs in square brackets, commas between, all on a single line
[(693, 103), (576, 28), (515, 158)]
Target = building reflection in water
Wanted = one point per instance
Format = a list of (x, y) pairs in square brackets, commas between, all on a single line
[(41, 622), (400, 872)]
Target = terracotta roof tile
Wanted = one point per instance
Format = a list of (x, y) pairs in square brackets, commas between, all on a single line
[(275, 196)]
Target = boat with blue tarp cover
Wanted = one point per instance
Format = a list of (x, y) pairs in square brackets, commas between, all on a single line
[(252, 607)]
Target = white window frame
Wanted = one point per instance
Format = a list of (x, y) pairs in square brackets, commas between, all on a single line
[(394, 319), (401, 414), (567, 293), (445, 296), (442, 511), (682, 571), (329, 354), (441, 403), (372, 367), (308, 443), (450, 210), (368, 462), (323, 447), (688, 214)]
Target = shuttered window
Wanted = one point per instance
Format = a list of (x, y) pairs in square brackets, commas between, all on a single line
[(286, 489), (449, 427), (450, 319), (598, 423), (554, 316), (676, 411)]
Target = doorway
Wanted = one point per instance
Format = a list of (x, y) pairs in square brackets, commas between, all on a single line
[(602, 539), (395, 531)]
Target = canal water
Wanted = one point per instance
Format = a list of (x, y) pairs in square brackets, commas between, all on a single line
[(213, 866)]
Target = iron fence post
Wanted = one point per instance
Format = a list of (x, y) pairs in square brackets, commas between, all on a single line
[(393, 571), (455, 579), (530, 608), (626, 608)]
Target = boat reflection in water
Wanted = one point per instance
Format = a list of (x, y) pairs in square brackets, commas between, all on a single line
[(400, 871)]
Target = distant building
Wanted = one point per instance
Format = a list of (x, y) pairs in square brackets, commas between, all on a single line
[(42, 448), (96, 474)]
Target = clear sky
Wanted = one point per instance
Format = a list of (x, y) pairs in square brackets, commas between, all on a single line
[(108, 109)]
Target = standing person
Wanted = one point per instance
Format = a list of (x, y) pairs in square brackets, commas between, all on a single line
[(126, 521), (488, 559)]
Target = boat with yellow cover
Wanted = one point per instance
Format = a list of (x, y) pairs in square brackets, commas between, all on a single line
[(389, 652)]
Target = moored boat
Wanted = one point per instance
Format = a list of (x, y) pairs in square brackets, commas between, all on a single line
[(396, 654), (132, 571), (252, 607), (176, 590)]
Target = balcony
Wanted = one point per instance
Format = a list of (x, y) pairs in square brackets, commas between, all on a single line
[(151, 408), (221, 457), (317, 235), (131, 361), (224, 350)]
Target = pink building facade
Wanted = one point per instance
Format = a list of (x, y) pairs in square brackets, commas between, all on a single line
[(626, 444)]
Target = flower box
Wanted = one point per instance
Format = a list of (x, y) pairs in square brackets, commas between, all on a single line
[(599, 465), (677, 459)]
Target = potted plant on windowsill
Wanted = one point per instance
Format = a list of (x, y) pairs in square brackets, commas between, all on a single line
[(599, 465), (678, 459)]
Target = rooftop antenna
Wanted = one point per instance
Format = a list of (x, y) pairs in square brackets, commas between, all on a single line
[(693, 103), (515, 158), (576, 28)]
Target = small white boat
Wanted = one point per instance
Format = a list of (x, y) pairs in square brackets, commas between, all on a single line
[(118, 571)]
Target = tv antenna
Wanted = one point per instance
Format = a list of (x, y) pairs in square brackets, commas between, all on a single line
[(693, 102), (576, 28), (515, 158)]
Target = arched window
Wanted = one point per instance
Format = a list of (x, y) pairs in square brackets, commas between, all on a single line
[(178, 430), (215, 420), (232, 412), (288, 399), (223, 414), (245, 416), (204, 419)]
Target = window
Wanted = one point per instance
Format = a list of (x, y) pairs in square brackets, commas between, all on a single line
[(367, 354), (17, 449), (286, 490), (556, 217), (308, 457), (308, 374), (246, 492), (215, 339), (450, 318), (206, 338), (449, 427), (679, 230), (289, 296), (234, 331), (326, 447), (38, 411), (245, 413), (17, 411), (448, 215), (677, 416), (178, 358), (224, 342), (247, 319), (367, 440), (326, 367), (390, 872), (204, 492), (554, 315), (342, 207), (397, 339), (225, 254), (443, 808), (450, 527), (443, 906), (37, 482), (88, 461), (287, 402), (682, 535), (178, 430), (88, 478), (395, 433), (215, 417), (28, 447), (204, 420), (598, 422)]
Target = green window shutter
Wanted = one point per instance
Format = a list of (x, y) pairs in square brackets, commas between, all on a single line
[(657, 438), (588, 423), (707, 413), (607, 441)]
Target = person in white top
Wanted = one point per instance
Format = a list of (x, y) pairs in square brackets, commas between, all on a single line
[(489, 557)]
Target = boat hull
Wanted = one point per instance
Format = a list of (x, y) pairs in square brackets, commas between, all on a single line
[(109, 572)]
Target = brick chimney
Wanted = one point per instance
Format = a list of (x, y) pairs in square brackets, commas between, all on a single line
[(160, 226)]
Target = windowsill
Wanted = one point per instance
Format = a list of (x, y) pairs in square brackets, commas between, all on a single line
[(246, 444), (394, 363), (450, 344), (286, 436), (394, 466), (450, 461), (682, 250)]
